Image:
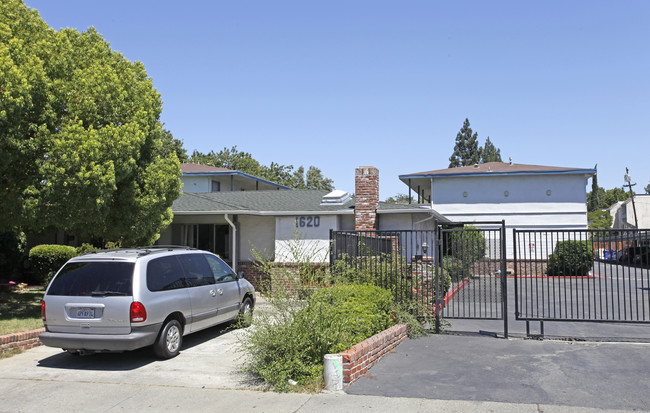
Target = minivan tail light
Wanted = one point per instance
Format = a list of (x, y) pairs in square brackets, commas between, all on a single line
[(138, 312), (43, 310)]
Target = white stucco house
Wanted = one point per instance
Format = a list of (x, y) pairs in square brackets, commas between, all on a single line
[(527, 197), (206, 178), (232, 223), (623, 212)]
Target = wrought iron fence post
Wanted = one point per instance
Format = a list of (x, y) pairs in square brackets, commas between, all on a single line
[(437, 262), (515, 271), (504, 280)]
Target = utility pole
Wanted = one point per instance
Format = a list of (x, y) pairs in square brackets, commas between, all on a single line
[(628, 181)]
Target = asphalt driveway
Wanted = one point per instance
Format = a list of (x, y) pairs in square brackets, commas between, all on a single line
[(480, 368)]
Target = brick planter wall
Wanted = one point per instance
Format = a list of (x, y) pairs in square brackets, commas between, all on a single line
[(287, 274), (23, 340), (361, 357)]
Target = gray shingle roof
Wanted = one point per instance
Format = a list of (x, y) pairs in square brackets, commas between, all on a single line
[(195, 167), (268, 202), (498, 168), (275, 203)]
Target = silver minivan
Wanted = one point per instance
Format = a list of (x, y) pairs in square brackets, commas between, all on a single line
[(124, 299)]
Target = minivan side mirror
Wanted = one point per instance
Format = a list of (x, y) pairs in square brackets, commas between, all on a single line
[(240, 274)]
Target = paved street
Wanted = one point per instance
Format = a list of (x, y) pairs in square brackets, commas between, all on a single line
[(481, 368)]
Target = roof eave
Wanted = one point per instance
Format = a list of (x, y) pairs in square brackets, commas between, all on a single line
[(236, 173), (265, 213), (588, 172)]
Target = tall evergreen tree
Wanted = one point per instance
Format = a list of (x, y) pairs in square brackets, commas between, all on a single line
[(490, 153), (466, 150), (594, 198), (316, 180)]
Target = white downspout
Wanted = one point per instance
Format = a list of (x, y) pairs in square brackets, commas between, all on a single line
[(234, 243)]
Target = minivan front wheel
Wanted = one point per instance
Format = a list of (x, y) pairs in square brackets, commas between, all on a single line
[(246, 313), (169, 340)]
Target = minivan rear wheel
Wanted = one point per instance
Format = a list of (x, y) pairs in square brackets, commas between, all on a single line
[(169, 340)]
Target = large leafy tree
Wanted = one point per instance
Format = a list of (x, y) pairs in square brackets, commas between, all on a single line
[(599, 198), (466, 150), (234, 159), (82, 145), (599, 219), (398, 199)]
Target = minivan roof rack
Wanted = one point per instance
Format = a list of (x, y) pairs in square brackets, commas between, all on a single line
[(169, 247), (102, 251), (142, 250)]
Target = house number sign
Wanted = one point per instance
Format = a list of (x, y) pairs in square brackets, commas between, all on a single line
[(308, 222)]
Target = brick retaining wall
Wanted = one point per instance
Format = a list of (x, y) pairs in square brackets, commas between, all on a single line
[(362, 356), (23, 340)]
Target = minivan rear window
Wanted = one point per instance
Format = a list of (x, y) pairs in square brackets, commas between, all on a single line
[(94, 279)]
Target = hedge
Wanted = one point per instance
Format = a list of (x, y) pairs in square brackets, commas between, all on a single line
[(571, 258), (46, 260)]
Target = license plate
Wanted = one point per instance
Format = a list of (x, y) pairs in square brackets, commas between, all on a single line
[(85, 313)]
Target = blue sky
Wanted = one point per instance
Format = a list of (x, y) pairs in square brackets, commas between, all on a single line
[(341, 84)]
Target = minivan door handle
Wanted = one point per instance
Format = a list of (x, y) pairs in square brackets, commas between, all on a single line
[(213, 293), (220, 291)]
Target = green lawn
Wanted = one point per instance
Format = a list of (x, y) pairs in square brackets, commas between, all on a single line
[(20, 311)]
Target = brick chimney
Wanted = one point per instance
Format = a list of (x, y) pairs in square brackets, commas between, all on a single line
[(366, 189)]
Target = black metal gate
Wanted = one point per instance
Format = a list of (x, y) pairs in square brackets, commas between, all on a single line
[(450, 272), (582, 276)]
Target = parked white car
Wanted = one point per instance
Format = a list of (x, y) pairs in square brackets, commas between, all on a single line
[(119, 300)]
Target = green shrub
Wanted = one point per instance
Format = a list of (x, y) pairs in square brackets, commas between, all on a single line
[(85, 248), (445, 281), (345, 271), (357, 312), (468, 245), (290, 345), (571, 258), (48, 258), (455, 268)]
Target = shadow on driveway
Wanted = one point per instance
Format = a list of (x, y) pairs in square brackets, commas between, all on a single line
[(128, 360)]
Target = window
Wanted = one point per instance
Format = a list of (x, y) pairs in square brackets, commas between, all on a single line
[(94, 278), (197, 270), (216, 186), (165, 274), (220, 269)]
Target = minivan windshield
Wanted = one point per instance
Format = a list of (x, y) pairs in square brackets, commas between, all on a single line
[(97, 279)]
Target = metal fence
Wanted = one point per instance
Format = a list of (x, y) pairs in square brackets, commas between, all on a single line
[(450, 272), (474, 259), (586, 275), (401, 261)]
